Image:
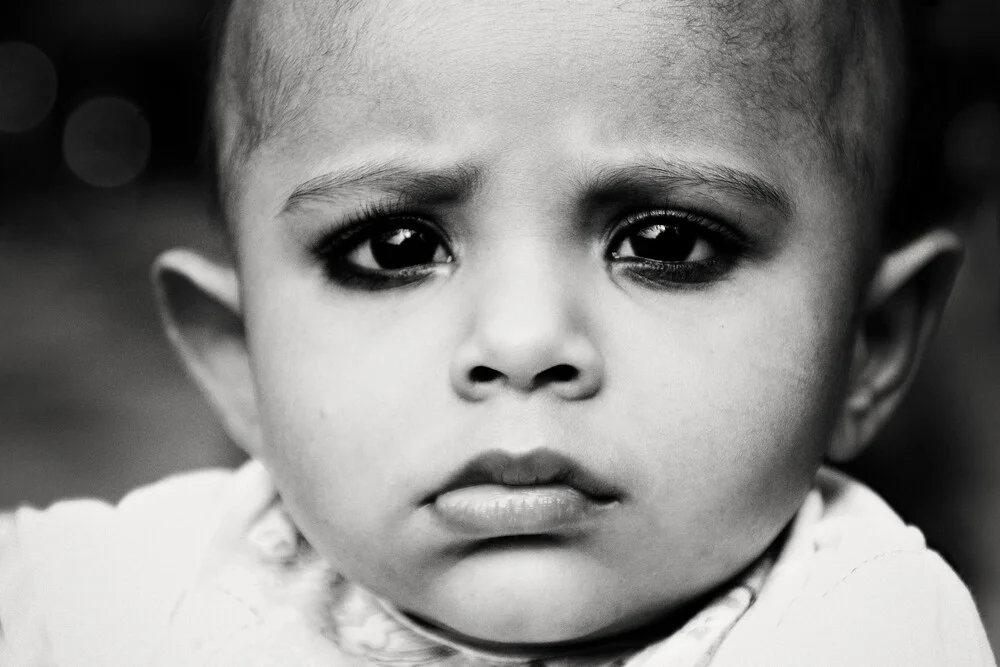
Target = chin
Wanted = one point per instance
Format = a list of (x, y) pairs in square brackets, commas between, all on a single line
[(531, 596)]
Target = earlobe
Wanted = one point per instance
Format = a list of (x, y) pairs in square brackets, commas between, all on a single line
[(905, 299), (199, 302)]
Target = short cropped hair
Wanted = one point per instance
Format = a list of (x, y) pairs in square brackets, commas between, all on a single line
[(919, 194)]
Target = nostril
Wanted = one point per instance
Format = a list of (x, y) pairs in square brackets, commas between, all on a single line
[(557, 374), (484, 374)]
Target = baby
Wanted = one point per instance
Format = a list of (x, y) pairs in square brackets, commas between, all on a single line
[(541, 321)]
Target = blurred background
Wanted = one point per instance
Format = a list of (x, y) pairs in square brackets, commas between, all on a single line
[(101, 109)]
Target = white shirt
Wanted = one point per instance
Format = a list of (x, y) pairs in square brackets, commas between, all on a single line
[(206, 569)]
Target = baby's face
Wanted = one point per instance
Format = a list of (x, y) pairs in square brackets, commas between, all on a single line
[(550, 305)]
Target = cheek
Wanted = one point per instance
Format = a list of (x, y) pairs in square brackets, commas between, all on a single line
[(349, 394), (729, 402)]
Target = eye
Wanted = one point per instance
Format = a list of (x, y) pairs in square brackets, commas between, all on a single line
[(381, 250), (665, 243), (399, 248), (671, 248)]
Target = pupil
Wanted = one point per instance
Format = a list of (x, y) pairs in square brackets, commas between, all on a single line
[(664, 243), (401, 248)]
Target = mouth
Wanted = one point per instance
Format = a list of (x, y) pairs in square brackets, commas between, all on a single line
[(498, 494)]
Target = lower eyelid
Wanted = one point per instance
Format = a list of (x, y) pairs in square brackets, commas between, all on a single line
[(677, 274), (351, 277)]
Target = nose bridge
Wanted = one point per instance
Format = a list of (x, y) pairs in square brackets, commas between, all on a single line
[(526, 307), (528, 277)]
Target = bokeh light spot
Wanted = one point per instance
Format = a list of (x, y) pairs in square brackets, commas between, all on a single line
[(106, 142), (27, 86)]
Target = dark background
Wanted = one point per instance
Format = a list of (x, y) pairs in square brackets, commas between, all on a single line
[(101, 108)]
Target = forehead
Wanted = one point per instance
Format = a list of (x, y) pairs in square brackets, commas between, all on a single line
[(772, 66)]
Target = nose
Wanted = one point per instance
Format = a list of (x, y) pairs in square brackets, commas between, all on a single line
[(528, 334)]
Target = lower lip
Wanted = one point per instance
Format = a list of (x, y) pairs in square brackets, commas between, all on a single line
[(494, 510)]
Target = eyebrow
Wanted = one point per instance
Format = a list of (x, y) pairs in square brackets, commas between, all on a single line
[(453, 183), (683, 175), (391, 177)]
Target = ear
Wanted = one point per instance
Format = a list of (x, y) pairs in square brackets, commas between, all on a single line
[(904, 303), (199, 302)]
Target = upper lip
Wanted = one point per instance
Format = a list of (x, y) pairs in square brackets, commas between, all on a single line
[(537, 467)]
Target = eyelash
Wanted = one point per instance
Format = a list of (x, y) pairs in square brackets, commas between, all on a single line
[(729, 244), (332, 249)]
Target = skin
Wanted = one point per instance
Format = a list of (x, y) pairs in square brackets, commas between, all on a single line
[(709, 404)]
